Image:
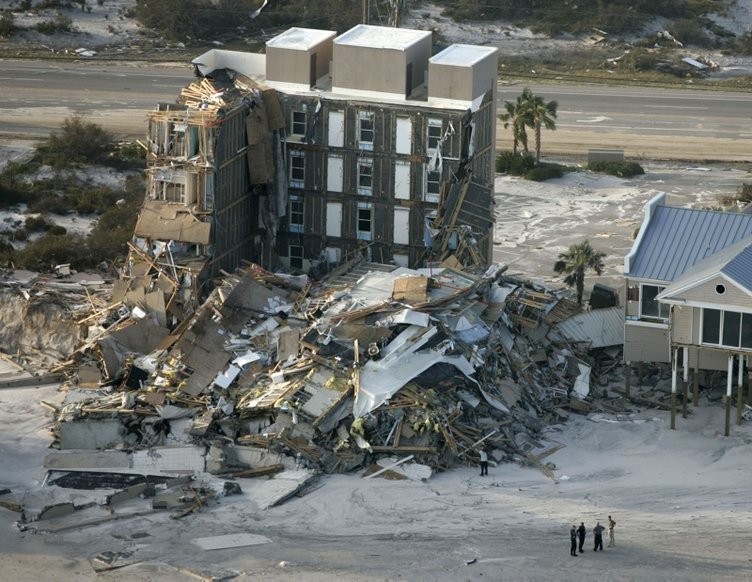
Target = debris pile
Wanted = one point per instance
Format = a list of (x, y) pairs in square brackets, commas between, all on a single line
[(374, 361), (401, 372)]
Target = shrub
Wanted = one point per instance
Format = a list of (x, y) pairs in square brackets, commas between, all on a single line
[(691, 32), (61, 23), (57, 230), (621, 169), (744, 192), (514, 164), (543, 172), (37, 224), (7, 24), (79, 141), (50, 250)]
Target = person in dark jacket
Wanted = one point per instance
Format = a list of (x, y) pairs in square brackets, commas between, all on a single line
[(581, 531), (598, 533), (573, 540)]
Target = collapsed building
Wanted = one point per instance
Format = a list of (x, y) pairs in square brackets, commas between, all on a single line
[(402, 348), (377, 367)]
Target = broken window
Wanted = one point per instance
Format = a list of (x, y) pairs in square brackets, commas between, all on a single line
[(296, 257), (649, 305), (297, 169), (365, 177), (433, 184), (298, 123), (434, 135), (364, 221), (168, 191), (295, 212), (365, 130)]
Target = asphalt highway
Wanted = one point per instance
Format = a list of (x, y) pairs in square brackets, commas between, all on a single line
[(647, 122)]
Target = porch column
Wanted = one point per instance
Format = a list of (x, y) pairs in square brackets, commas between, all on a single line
[(696, 382), (729, 382), (749, 383), (740, 390), (685, 380), (627, 378), (674, 355)]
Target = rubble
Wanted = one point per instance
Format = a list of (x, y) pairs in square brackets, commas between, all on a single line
[(273, 380)]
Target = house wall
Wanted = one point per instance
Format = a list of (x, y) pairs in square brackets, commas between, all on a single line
[(706, 293), (646, 343), (682, 325), (232, 226)]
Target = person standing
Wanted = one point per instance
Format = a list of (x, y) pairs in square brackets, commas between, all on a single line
[(598, 534), (573, 541), (483, 462), (581, 534), (611, 540)]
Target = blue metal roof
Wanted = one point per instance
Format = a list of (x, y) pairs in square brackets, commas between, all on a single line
[(740, 268), (678, 238)]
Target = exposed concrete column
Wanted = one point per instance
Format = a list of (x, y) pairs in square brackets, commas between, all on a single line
[(685, 380), (674, 355), (740, 390), (729, 382), (627, 377)]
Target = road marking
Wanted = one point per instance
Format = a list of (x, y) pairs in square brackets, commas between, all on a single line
[(594, 119), (675, 107)]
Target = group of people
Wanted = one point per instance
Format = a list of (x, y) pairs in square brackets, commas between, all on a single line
[(577, 534)]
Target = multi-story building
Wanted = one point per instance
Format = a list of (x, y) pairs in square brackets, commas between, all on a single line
[(388, 148)]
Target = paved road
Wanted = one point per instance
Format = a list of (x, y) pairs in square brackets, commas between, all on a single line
[(649, 122), (35, 96)]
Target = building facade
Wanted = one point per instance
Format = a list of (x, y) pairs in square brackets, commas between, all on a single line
[(387, 150)]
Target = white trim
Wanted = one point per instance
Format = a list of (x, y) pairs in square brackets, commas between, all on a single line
[(705, 305), (638, 323), (697, 282)]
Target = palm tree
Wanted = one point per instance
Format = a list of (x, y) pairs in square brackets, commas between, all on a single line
[(538, 114), (575, 261), (516, 117)]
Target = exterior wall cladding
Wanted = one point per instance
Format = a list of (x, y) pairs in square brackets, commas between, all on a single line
[(364, 178)]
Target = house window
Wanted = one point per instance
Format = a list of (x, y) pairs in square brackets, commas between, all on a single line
[(296, 257), (365, 177), (433, 183), (434, 134), (365, 215), (649, 305), (169, 191), (295, 212), (365, 130), (298, 123), (727, 328), (297, 169)]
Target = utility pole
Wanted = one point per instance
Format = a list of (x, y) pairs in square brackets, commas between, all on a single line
[(365, 11)]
